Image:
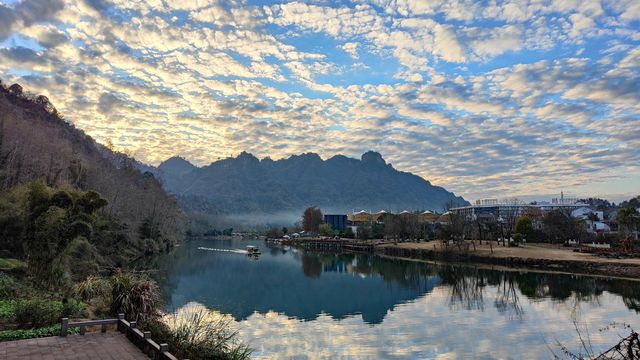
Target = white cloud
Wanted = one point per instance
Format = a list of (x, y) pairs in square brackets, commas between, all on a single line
[(420, 75)]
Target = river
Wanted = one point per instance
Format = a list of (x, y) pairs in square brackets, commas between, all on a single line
[(292, 304)]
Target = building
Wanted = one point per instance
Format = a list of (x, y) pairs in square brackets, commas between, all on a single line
[(337, 222), (510, 209), (360, 217), (379, 216), (429, 217)]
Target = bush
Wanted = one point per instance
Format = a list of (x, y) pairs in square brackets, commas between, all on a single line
[(7, 286), (71, 308), (38, 313), (8, 309), (21, 334), (90, 288), (12, 264), (134, 296)]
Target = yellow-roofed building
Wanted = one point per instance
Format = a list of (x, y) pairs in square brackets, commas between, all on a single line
[(429, 217), (379, 216), (360, 217)]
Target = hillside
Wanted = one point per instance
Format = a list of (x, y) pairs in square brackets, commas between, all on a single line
[(247, 185), (37, 144)]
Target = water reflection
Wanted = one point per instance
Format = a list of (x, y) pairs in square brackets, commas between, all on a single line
[(376, 307)]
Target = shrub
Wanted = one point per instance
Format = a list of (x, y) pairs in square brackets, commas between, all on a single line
[(71, 307), (20, 334), (90, 288), (8, 309), (12, 264), (38, 313), (7, 286), (134, 296)]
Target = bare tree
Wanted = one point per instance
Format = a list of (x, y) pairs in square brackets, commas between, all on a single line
[(311, 219)]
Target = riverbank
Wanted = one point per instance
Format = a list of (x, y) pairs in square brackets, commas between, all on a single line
[(533, 256)]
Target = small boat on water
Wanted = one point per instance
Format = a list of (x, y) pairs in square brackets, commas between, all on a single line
[(253, 250)]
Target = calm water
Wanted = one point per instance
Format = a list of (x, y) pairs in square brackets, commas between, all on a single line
[(292, 304)]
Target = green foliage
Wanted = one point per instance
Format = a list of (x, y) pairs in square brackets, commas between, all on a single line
[(628, 218), (326, 230), (80, 228), (72, 307), (134, 296), (8, 309), (631, 203), (84, 257), (62, 199), (57, 233), (7, 286), (91, 202), (11, 226), (524, 227), (21, 334), (91, 288), (347, 233), (38, 313), (11, 264), (38, 198)]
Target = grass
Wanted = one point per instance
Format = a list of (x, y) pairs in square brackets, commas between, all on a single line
[(12, 264), (195, 332)]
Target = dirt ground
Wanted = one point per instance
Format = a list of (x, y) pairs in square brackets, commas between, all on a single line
[(530, 251)]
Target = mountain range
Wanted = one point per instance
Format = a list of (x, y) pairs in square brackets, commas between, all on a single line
[(246, 185)]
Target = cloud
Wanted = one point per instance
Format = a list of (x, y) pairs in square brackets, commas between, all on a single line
[(489, 43), (462, 92), (26, 13), (350, 48)]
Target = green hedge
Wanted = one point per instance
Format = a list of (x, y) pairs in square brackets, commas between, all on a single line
[(54, 330), (38, 313), (8, 308)]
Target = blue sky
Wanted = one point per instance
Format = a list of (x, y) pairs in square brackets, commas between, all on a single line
[(487, 98)]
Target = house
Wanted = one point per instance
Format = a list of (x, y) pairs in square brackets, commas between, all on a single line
[(584, 212)]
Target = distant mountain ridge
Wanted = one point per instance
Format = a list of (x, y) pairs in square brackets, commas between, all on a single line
[(245, 184)]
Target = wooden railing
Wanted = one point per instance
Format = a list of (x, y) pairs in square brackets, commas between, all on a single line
[(130, 329)]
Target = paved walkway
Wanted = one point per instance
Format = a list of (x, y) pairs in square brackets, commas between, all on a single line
[(95, 345)]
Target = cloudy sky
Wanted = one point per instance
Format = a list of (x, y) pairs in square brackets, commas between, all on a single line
[(486, 98)]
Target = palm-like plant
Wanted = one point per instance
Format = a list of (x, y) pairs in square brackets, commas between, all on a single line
[(134, 296)]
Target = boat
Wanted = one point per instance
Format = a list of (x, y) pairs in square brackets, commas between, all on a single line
[(253, 250)]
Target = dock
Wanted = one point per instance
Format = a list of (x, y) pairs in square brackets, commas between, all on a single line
[(333, 245)]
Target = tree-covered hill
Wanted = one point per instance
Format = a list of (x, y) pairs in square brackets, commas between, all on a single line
[(38, 146)]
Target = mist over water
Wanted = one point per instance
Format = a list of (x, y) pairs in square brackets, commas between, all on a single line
[(289, 303)]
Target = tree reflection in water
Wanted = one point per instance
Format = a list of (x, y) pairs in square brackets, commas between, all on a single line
[(305, 284)]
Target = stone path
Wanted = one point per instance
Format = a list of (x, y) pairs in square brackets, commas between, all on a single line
[(95, 345)]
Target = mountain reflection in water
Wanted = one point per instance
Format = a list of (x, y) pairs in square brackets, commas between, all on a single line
[(290, 289)]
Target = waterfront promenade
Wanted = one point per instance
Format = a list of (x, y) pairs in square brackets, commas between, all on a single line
[(96, 345)]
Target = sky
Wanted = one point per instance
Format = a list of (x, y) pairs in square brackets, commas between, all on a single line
[(486, 98)]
